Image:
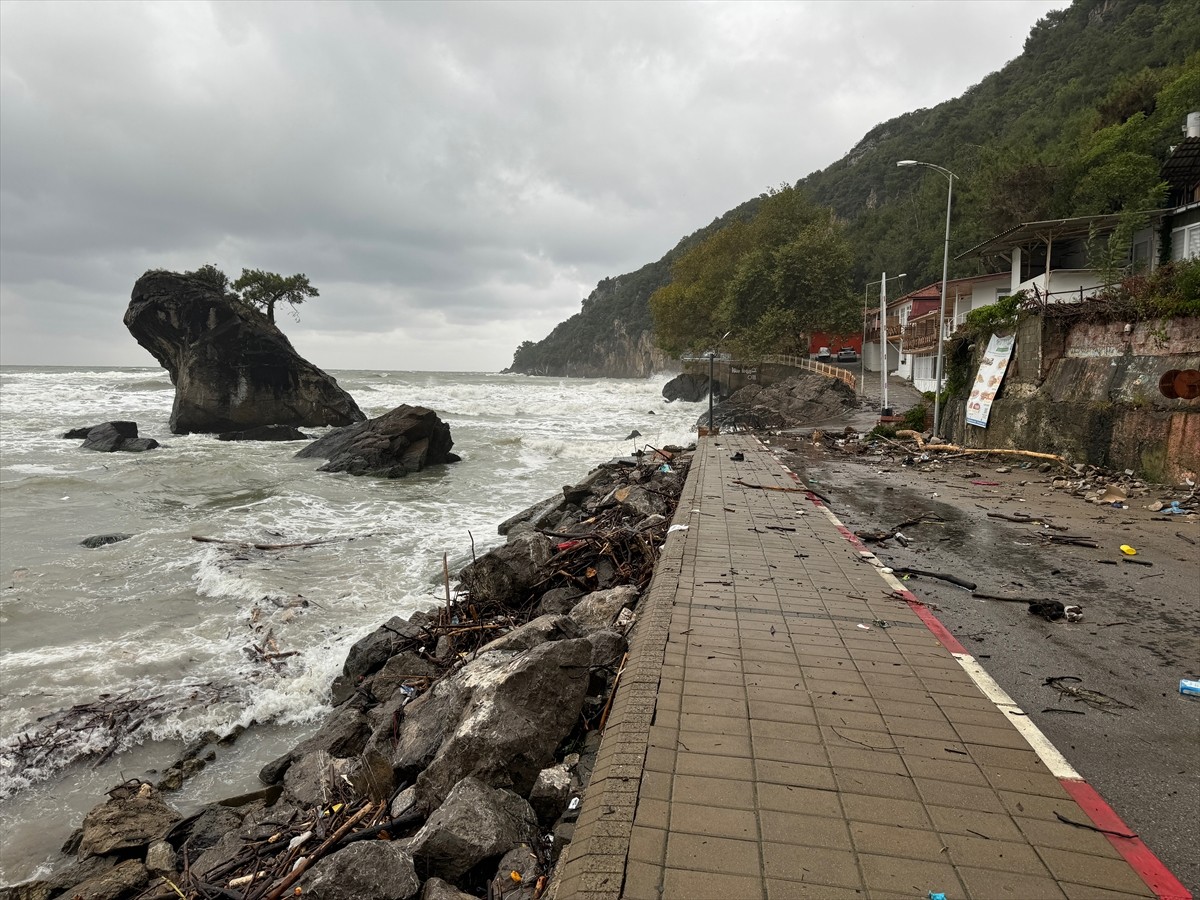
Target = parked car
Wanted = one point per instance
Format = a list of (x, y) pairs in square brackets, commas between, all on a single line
[(823, 354), (847, 354)]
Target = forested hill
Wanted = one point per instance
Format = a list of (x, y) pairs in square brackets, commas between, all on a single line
[(1079, 123)]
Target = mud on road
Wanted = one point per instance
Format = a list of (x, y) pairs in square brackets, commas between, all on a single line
[(1136, 739)]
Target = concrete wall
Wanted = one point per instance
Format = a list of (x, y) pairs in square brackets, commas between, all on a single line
[(1090, 393)]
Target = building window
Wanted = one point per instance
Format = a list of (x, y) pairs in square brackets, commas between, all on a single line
[(1185, 242)]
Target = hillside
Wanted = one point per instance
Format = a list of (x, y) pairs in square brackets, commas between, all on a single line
[(1079, 123)]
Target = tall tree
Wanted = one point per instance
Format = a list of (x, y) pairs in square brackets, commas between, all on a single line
[(265, 289)]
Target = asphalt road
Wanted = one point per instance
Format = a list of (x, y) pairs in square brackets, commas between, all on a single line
[(1136, 739)]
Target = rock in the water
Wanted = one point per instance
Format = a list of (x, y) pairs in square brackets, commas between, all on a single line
[(122, 880), (380, 870), (232, 369), (265, 433), (370, 653), (474, 824), (688, 388), (633, 434), (108, 438), (405, 440), (343, 735), (125, 429), (103, 540), (512, 725), (135, 817)]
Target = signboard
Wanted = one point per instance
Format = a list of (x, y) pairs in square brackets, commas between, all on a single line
[(988, 381)]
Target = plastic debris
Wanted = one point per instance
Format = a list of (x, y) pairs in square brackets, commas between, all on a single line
[(864, 627), (1128, 551), (574, 804), (1189, 687), (936, 895), (677, 528)]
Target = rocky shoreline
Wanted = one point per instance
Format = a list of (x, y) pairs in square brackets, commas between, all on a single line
[(460, 741)]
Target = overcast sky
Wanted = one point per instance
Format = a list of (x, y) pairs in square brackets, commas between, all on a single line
[(454, 178)]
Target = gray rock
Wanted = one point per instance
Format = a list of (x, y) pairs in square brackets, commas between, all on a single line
[(559, 600), (379, 870), (608, 646), (505, 574), (232, 369), (103, 540), (124, 429), (436, 889), (638, 501), (369, 654), (212, 823), (405, 440), (160, 859), (344, 734), (402, 667), (514, 721), (550, 794), (525, 863), (688, 388), (600, 609), (54, 885), (537, 631), (122, 880), (265, 433), (135, 817), (474, 824), (405, 801), (107, 438), (525, 516)]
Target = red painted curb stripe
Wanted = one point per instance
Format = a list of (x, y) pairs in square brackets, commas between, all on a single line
[(1140, 857)]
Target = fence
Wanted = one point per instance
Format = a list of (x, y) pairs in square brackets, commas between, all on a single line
[(803, 362)]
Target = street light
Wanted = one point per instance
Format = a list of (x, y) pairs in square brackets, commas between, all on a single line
[(882, 340), (712, 355), (937, 384)]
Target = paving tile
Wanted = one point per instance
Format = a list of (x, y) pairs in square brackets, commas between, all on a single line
[(876, 784), (989, 884), (778, 889), (810, 830), (738, 824), (713, 791), (680, 883), (893, 840), (968, 850), (813, 865), (796, 774), (1082, 868), (913, 877)]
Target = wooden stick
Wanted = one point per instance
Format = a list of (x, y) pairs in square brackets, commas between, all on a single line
[(612, 693), (302, 867)]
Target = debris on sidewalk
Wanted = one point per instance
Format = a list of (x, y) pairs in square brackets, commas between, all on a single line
[(1068, 685)]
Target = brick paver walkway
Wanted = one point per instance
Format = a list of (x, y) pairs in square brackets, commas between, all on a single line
[(786, 728)]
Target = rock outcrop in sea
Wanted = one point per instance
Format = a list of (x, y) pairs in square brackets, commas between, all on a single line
[(405, 440), (232, 369), (458, 744)]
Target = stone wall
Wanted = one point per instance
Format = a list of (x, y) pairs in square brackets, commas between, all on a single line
[(1090, 393)]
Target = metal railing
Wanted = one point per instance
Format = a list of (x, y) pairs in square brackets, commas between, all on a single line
[(803, 362)]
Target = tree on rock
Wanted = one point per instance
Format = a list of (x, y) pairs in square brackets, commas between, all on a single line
[(265, 289)]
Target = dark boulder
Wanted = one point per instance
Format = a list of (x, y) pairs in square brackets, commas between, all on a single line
[(265, 433), (405, 440), (343, 734), (502, 575), (103, 540), (108, 438), (232, 369), (476, 823), (688, 388), (134, 818), (369, 654), (381, 870), (125, 429), (125, 879)]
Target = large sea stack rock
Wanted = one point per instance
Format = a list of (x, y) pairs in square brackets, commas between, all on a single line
[(407, 439), (232, 369)]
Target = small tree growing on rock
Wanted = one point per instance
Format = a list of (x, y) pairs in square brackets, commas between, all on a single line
[(265, 289)]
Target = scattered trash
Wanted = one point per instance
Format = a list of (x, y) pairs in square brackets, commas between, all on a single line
[(986, 483), (738, 457), (864, 627), (1068, 685), (1176, 510), (1128, 551), (665, 468), (901, 539), (1189, 687), (574, 804), (1073, 613), (936, 895), (953, 579), (677, 528)]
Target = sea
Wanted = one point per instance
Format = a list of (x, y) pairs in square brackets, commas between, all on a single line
[(192, 636)]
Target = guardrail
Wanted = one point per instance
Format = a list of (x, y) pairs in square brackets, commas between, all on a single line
[(803, 362)]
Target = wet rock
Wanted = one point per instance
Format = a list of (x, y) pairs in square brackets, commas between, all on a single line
[(265, 433), (405, 440), (343, 735), (502, 575), (107, 438), (54, 885), (638, 501), (600, 609), (688, 388), (207, 828), (537, 631), (522, 862), (400, 668), (232, 369), (513, 723), (381, 870), (436, 889), (369, 654), (405, 801), (608, 646), (135, 817), (122, 880), (474, 824), (550, 794), (161, 859), (103, 540), (633, 434), (124, 429), (559, 600)]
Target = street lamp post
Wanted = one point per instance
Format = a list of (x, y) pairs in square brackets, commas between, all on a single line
[(937, 382), (882, 282), (712, 355)]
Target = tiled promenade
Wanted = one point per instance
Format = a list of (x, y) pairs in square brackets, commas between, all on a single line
[(787, 728)]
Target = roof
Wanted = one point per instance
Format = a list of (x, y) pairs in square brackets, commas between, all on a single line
[(934, 290), (1182, 168), (1040, 232)]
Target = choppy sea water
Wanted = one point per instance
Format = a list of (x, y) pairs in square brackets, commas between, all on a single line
[(163, 616)]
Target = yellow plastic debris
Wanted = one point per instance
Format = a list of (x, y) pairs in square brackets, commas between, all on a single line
[(1128, 551), (515, 876)]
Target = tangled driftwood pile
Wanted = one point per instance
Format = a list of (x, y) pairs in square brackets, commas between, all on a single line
[(460, 739)]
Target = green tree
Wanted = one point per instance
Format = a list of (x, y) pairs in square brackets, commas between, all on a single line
[(210, 274), (265, 289)]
